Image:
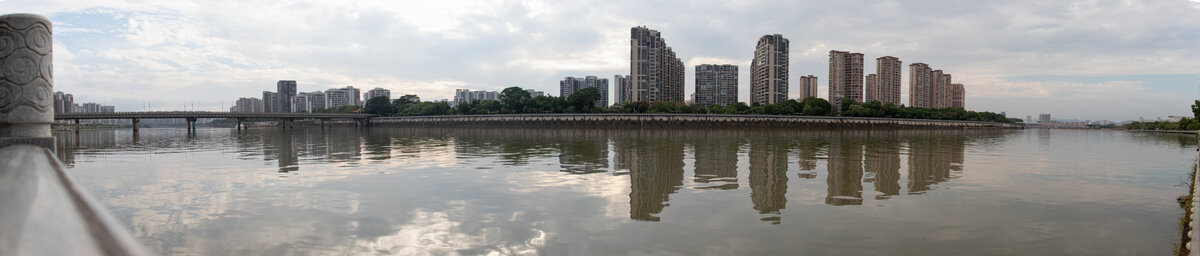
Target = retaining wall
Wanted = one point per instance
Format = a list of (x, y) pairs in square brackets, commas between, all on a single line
[(690, 120)]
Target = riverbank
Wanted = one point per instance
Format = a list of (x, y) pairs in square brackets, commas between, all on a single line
[(668, 120)]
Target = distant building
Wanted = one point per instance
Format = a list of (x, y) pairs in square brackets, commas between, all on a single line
[(716, 84), (316, 101), (270, 102), (871, 89), (1043, 118), (108, 109), (378, 92), (958, 96), (887, 81), (845, 77), (569, 85), (769, 70), (63, 102), (535, 93), (624, 88), (657, 74), (808, 87), (1028, 119), (287, 93), (468, 96), (250, 105), (941, 89), (338, 97), (920, 85)]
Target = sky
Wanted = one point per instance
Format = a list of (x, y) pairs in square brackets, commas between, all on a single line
[(1083, 60)]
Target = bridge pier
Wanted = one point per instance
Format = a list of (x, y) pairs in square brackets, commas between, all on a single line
[(76, 126), (191, 125), (239, 123), (135, 125)]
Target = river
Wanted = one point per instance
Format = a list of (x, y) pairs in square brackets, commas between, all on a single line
[(661, 191)]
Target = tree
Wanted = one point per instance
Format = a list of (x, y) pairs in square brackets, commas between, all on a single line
[(514, 98), (584, 100), (814, 106), (1196, 110), (379, 105)]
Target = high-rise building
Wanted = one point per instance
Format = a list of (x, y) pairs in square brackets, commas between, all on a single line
[(535, 93), (468, 96), (656, 72), (63, 102), (316, 101), (1045, 118), (569, 85), (251, 105), (300, 103), (769, 70), (378, 92), (338, 97), (920, 85), (808, 87), (287, 93), (716, 84), (942, 90), (871, 90), (624, 88), (958, 96), (270, 102), (887, 84), (845, 77)]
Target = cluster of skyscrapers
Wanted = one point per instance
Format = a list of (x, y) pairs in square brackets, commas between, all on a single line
[(65, 103), (570, 85), (286, 99), (656, 75)]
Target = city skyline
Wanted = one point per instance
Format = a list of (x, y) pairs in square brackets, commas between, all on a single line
[(1022, 58)]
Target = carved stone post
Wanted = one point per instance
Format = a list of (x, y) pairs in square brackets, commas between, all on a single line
[(26, 81)]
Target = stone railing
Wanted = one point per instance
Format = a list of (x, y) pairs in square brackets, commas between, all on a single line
[(42, 210)]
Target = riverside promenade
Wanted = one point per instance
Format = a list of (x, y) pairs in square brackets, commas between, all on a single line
[(676, 120)]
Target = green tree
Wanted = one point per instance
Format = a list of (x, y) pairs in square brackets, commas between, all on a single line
[(379, 105), (1196, 110), (814, 106), (584, 100), (514, 98)]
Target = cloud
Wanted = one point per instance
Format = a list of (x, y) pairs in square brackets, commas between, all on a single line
[(213, 52)]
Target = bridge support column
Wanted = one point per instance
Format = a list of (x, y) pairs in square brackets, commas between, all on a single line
[(191, 125), (135, 125), (76, 126), (239, 124)]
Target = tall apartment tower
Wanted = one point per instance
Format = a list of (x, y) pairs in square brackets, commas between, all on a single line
[(808, 87), (378, 92), (942, 90), (887, 69), (623, 87), (656, 72), (569, 85), (845, 77), (270, 102), (920, 85), (769, 70), (287, 94), (958, 96), (716, 84), (871, 90)]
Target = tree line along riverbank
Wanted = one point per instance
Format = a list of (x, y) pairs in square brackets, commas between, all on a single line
[(515, 100)]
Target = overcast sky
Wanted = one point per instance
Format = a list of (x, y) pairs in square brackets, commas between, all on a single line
[(1115, 60)]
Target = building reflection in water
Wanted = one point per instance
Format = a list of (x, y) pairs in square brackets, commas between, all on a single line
[(845, 170), (768, 174), (716, 158), (654, 159)]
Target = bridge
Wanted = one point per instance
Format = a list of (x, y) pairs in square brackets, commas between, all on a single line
[(191, 117)]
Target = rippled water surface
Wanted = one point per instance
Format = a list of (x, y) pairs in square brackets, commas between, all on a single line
[(638, 191)]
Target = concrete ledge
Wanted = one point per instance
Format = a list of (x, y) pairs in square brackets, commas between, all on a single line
[(47, 143), (697, 120), (43, 211)]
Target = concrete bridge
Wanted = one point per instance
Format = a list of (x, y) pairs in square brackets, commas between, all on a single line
[(700, 120), (191, 116)]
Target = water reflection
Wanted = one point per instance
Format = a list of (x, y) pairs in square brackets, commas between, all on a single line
[(508, 190)]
